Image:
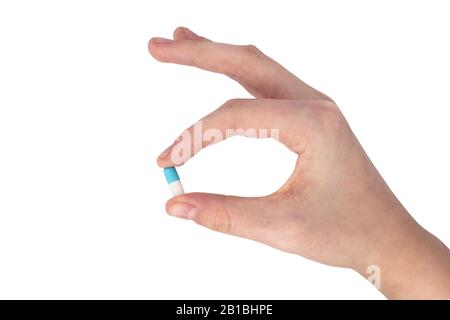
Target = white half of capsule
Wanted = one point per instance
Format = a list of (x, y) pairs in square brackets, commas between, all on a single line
[(176, 187)]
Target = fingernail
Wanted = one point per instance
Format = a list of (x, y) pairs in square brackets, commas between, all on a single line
[(182, 210), (165, 153), (162, 40)]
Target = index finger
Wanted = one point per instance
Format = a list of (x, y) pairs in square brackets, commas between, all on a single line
[(284, 120)]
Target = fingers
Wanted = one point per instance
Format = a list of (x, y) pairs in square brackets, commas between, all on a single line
[(244, 217), (283, 120), (260, 75)]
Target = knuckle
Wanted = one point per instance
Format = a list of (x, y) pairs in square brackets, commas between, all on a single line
[(247, 56), (251, 50), (328, 116), (251, 55), (232, 103)]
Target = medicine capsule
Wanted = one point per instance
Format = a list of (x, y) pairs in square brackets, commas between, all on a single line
[(173, 180)]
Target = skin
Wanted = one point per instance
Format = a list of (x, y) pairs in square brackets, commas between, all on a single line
[(335, 208)]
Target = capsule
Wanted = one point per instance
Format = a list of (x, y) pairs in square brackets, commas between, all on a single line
[(173, 180)]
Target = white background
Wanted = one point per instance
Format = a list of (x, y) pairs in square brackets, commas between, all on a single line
[(85, 110)]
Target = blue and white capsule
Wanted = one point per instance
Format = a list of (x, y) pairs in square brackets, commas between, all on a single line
[(173, 180)]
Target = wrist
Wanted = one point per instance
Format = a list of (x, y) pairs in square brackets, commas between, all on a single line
[(408, 262)]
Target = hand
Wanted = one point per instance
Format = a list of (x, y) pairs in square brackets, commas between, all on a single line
[(335, 208)]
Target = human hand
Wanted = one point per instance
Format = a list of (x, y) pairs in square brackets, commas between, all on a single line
[(335, 208)]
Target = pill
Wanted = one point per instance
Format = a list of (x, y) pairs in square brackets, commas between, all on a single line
[(173, 180)]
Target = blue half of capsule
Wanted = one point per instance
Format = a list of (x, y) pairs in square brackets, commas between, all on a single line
[(171, 174)]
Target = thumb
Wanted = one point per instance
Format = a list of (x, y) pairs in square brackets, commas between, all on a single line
[(244, 217)]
